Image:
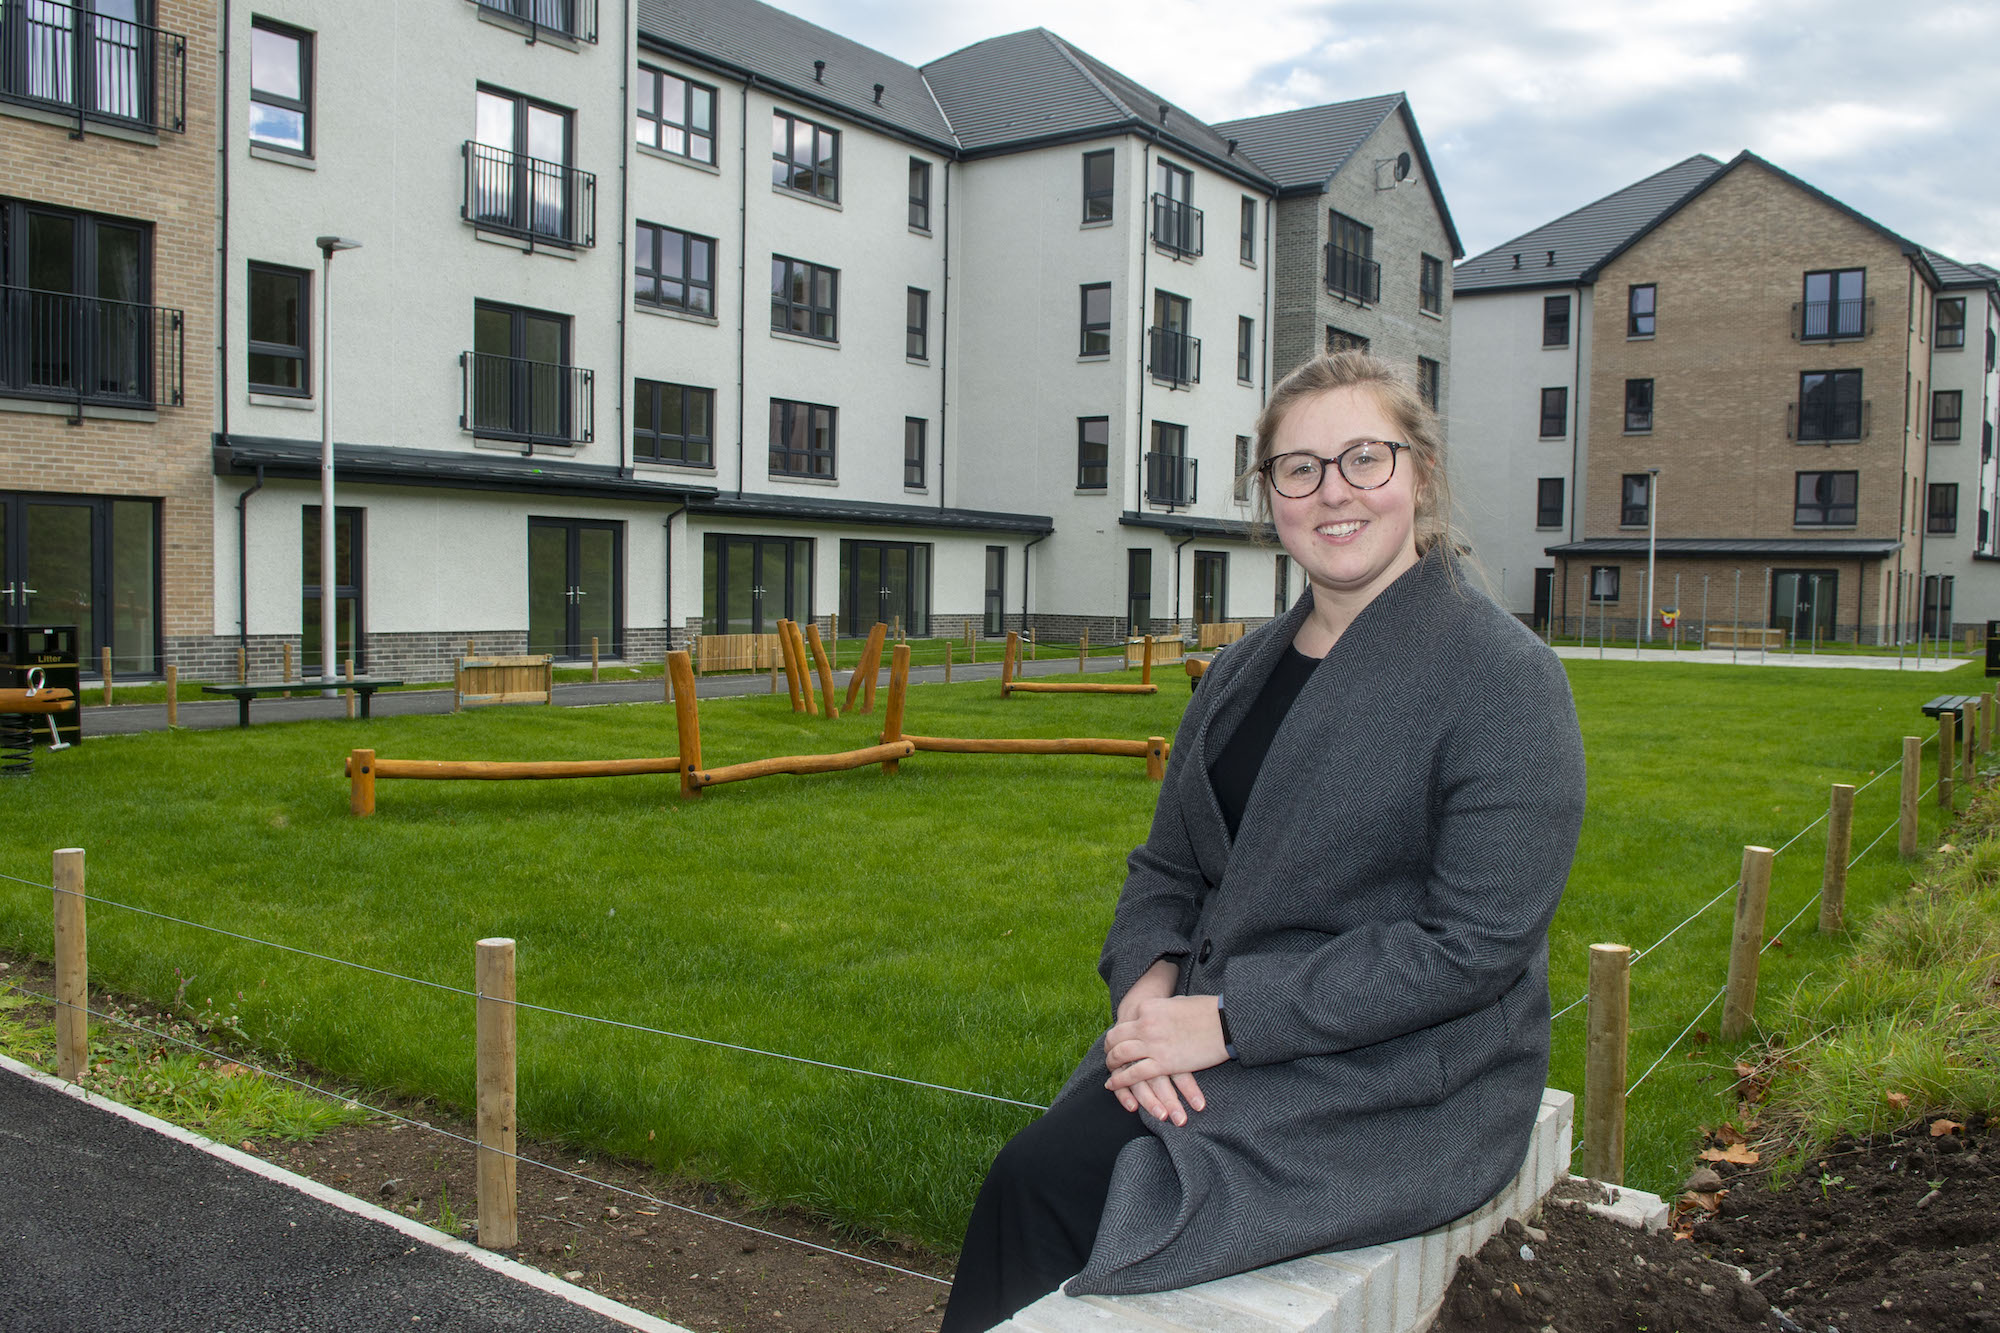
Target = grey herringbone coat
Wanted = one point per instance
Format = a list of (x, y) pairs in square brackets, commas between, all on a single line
[(1378, 931)]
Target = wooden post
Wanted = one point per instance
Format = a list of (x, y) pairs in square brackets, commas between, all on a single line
[(1605, 1051), (892, 715), (1082, 650), (494, 967), (686, 720), (287, 677), (1146, 662), (1156, 758), (1986, 721), (173, 695), (106, 656), (72, 968), (805, 669), (1753, 892), (471, 648), (667, 678), (947, 661), (791, 668), (774, 672), (833, 636), (897, 629), (1839, 839), (361, 782), (593, 659), (1007, 659), (866, 668), (971, 643), (1034, 644), (1913, 776), (242, 668), (825, 672), (1947, 759), (351, 696)]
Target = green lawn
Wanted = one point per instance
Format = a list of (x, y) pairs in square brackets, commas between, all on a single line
[(942, 924)]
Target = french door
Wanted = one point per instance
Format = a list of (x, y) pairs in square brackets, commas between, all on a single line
[(88, 561), (576, 587), (749, 584), (886, 581), (1803, 602), (1211, 587)]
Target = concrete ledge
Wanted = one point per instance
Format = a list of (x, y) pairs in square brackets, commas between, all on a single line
[(1394, 1288)]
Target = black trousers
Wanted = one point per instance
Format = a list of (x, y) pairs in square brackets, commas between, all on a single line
[(1037, 1214)]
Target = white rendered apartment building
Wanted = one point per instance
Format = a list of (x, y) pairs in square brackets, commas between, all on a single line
[(1963, 479)]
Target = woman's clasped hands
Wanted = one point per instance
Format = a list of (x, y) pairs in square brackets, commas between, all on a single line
[(1158, 1043)]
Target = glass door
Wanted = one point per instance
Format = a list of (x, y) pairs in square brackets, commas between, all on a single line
[(1138, 592), (888, 582), (1211, 579), (86, 561), (575, 587), (1803, 602), (346, 590), (996, 590), (751, 583)]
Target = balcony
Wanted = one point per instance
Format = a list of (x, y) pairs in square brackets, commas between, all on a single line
[(1177, 227), (527, 402), (1173, 357), (1840, 422), (574, 19), (540, 202), (1833, 321), (1353, 275), (1170, 479), (85, 350), (94, 67)]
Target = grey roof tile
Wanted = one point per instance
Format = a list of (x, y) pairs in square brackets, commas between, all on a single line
[(1954, 274), (1309, 146)]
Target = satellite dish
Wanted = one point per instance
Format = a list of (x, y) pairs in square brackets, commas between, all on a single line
[(1402, 167)]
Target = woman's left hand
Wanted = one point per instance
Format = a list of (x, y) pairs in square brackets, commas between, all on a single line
[(1177, 1034)]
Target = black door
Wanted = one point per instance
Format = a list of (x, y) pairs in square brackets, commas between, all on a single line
[(1211, 581), (1138, 592), (888, 582), (575, 587), (749, 584), (87, 561), (1803, 602), (996, 590), (1545, 596)]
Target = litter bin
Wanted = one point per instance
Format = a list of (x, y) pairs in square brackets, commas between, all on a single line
[(1993, 647), (53, 648)]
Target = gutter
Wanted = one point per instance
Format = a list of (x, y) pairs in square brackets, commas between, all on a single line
[(1145, 253), (1177, 583), (1024, 574), (243, 561), (624, 259), (944, 332), (742, 263)]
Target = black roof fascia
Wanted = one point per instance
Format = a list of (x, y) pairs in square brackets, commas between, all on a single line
[(1824, 548), (874, 515), (242, 455), (1551, 285), (1221, 528), (1145, 129)]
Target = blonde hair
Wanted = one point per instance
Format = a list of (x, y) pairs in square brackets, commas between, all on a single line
[(1415, 422)]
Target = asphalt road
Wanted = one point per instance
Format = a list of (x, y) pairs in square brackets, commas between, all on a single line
[(106, 1225)]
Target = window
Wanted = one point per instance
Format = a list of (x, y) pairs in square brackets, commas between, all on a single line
[(1825, 499), (1990, 341), (1138, 590), (1829, 406), (1428, 374), (1351, 270), (1639, 310), (805, 299), (920, 194), (802, 443), (1636, 503), (520, 383), (1943, 509), (1098, 185), (1248, 247), (1281, 598), (518, 174), (1555, 321), (1096, 332), (1430, 284), (673, 423), (1946, 411), (995, 621), (1555, 413), (917, 331), (805, 156), (1549, 502), (281, 87), (1340, 340), (675, 115), (1175, 355), (1604, 583), (913, 453), (280, 330), (347, 552), (101, 59), (675, 269), (1093, 452), (1169, 471), (74, 317), (1950, 322), (1242, 490), (1638, 406), (1835, 305), (1246, 348), (1177, 223)]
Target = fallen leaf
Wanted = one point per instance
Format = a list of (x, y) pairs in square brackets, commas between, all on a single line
[(1729, 1133), (1899, 1100), (1743, 1070), (1940, 1128), (1701, 1037), (1706, 1201), (1735, 1153)]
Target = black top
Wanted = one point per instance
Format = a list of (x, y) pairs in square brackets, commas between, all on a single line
[(1234, 771)]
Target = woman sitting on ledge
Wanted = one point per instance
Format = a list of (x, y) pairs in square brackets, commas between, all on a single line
[(1329, 965)]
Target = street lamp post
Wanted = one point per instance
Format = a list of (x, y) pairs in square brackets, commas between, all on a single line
[(1652, 540), (328, 651)]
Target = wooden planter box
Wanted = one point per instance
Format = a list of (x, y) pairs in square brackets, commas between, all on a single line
[(502, 680), (1216, 634), (1168, 649), (735, 652)]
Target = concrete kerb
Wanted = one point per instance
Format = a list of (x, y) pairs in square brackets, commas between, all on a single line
[(1751, 657), (417, 1231)]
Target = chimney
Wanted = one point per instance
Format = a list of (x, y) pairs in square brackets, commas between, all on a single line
[(878, 102), (819, 71)]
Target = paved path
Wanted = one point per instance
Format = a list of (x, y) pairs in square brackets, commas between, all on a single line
[(108, 1224), (1751, 657)]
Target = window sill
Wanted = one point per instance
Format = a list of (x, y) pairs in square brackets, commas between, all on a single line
[(1835, 527), (661, 465), (283, 158), (790, 193), (803, 481), (1956, 439), (668, 312), (67, 120), (1563, 436), (1175, 386), (42, 407), (681, 159), (524, 449), (923, 361), (1437, 315), (1640, 337), (1092, 358), (1548, 527), (554, 249), (831, 344), (1948, 347), (291, 402), (1248, 384), (1248, 263), (1629, 431), (541, 36), (1093, 490), (924, 232), (1178, 256), (916, 490), (1095, 224)]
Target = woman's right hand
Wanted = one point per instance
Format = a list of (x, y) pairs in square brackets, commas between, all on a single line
[(1159, 1097)]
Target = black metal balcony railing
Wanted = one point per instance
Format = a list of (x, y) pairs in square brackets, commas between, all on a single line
[(532, 402), (1170, 479), (575, 19), (94, 66), (1352, 274), (1832, 321), (524, 196), (86, 350), (1177, 226), (1829, 423), (1173, 356)]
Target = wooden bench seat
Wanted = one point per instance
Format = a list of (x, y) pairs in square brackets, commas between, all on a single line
[(363, 687)]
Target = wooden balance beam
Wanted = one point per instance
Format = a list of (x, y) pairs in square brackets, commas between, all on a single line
[(1009, 686), (364, 770), (804, 763)]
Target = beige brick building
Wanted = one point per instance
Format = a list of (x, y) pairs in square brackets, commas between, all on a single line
[(107, 288)]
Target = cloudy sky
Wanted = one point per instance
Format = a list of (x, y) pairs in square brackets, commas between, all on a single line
[(1535, 107)]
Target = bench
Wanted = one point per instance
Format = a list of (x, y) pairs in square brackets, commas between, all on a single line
[(362, 686), (1951, 703), (1731, 636), (1393, 1288)]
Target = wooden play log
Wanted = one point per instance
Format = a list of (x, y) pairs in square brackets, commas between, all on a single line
[(806, 763), (72, 968), (361, 782), (1008, 660), (899, 686), (825, 671), (1746, 943), (1146, 663), (865, 669), (792, 672), (287, 677), (1196, 667), (1119, 749), (1156, 758), (173, 695), (1913, 776), (806, 691), (1839, 838), (242, 668), (528, 770), (686, 720), (1986, 704), (1604, 1058), (1947, 758), (494, 1034)]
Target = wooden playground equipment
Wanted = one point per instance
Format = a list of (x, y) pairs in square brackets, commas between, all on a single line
[(18, 707), (1010, 687)]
